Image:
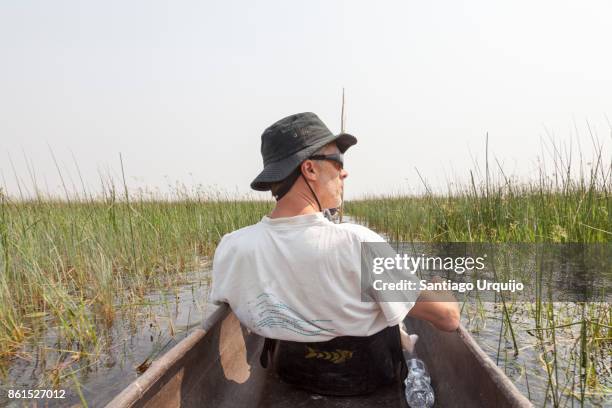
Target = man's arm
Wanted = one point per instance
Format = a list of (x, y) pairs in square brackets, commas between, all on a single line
[(438, 307)]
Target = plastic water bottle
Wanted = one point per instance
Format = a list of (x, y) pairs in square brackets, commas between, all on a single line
[(419, 393)]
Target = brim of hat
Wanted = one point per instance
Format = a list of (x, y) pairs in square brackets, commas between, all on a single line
[(278, 171)]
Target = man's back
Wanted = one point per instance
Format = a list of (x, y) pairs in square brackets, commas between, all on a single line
[(298, 278), (295, 276)]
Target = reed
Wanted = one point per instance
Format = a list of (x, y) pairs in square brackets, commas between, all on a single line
[(571, 204), (520, 213), (77, 260)]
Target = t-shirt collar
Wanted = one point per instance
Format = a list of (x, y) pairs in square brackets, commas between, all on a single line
[(298, 220)]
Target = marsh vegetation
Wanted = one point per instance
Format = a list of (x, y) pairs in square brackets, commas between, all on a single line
[(558, 353), (75, 271), (75, 268)]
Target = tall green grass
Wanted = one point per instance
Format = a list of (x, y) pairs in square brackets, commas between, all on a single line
[(556, 207), (76, 259), (569, 204)]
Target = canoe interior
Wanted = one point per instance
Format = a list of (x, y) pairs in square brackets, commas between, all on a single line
[(218, 366)]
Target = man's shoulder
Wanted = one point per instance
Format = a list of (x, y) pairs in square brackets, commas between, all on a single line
[(237, 236), (360, 232)]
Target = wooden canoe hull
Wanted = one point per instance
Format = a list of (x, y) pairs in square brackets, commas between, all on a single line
[(218, 366)]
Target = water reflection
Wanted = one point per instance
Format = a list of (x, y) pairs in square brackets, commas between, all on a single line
[(139, 333), (144, 331)]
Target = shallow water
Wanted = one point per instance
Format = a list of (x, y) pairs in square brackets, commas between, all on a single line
[(527, 369), (138, 334), (143, 332)]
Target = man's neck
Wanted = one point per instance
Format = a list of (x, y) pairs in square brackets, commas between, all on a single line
[(293, 204)]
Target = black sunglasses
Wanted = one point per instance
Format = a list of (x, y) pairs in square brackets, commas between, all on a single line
[(336, 157)]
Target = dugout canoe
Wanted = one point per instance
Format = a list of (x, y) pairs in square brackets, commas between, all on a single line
[(218, 366)]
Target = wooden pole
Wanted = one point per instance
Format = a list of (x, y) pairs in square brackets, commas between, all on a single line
[(342, 122), (342, 118)]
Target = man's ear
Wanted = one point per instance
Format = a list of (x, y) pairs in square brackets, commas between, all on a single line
[(308, 169)]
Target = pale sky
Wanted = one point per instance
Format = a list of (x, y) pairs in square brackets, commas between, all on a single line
[(183, 90)]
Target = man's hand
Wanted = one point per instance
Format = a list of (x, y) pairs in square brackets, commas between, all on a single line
[(438, 307)]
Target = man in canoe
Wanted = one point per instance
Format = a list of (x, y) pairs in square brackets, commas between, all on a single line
[(295, 276)]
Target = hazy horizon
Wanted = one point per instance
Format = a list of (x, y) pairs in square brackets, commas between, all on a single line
[(184, 91)]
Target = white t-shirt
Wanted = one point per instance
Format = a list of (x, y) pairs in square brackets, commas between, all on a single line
[(299, 279)]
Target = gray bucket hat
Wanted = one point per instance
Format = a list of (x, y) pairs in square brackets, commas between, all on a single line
[(290, 141)]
